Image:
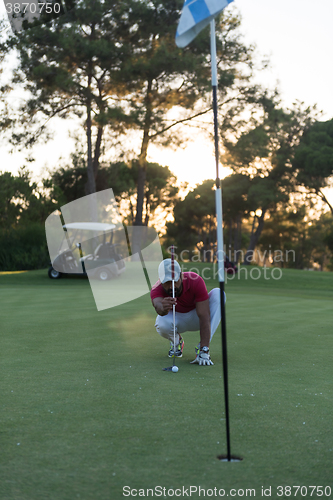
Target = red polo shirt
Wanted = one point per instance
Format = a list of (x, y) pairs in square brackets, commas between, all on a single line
[(194, 290)]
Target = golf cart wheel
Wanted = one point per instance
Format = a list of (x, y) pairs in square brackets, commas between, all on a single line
[(104, 274), (53, 274)]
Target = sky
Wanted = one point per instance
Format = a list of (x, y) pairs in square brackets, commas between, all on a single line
[(297, 36)]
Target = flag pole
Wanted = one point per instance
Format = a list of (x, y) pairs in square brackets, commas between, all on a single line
[(220, 249), (195, 16)]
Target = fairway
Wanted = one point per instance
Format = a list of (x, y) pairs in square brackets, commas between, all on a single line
[(86, 409)]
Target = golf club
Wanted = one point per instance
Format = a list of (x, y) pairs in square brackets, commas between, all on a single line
[(170, 368), (173, 305)]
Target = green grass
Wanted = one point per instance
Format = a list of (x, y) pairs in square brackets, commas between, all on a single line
[(86, 408)]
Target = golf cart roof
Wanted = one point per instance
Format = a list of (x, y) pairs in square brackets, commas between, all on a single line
[(89, 226)]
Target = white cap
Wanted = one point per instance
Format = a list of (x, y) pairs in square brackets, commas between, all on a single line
[(165, 271)]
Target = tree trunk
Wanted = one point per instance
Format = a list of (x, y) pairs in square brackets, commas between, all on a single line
[(143, 159), (97, 152), (137, 232), (132, 212), (231, 225), (91, 184), (255, 235), (140, 191), (147, 204), (238, 238)]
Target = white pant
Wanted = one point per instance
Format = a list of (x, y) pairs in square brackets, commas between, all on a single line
[(189, 322)]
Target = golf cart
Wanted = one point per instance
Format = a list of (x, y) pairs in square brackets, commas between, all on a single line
[(98, 256)]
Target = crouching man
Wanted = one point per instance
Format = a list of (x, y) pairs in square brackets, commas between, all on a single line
[(196, 309)]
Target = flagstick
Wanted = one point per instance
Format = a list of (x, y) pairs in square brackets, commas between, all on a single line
[(220, 252)]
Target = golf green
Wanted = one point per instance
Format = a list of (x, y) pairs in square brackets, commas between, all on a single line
[(87, 411)]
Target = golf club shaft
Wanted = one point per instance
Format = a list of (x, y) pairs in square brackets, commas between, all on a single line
[(173, 306), (174, 323)]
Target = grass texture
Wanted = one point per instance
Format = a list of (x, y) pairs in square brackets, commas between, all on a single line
[(87, 410)]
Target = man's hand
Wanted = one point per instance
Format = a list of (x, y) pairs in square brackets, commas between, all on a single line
[(163, 306), (203, 358), (167, 303)]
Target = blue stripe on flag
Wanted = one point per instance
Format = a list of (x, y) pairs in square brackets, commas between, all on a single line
[(199, 10), (195, 16)]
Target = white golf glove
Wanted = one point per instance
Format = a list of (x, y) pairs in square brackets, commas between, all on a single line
[(203, 357)]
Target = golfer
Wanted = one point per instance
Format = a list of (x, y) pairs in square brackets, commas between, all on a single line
[(196, 309)]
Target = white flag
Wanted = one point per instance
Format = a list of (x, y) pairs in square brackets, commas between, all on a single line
[(196, 14)]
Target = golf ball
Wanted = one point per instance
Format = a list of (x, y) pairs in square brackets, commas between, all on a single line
[(175, 368)]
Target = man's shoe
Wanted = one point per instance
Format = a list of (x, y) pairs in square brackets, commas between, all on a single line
[(178, 352)]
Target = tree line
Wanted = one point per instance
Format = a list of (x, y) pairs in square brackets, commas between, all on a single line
[(114, 66), (289, 238)]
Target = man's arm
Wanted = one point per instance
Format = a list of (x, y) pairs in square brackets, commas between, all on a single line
[(203, 313), (203, 357), (164, 304)]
